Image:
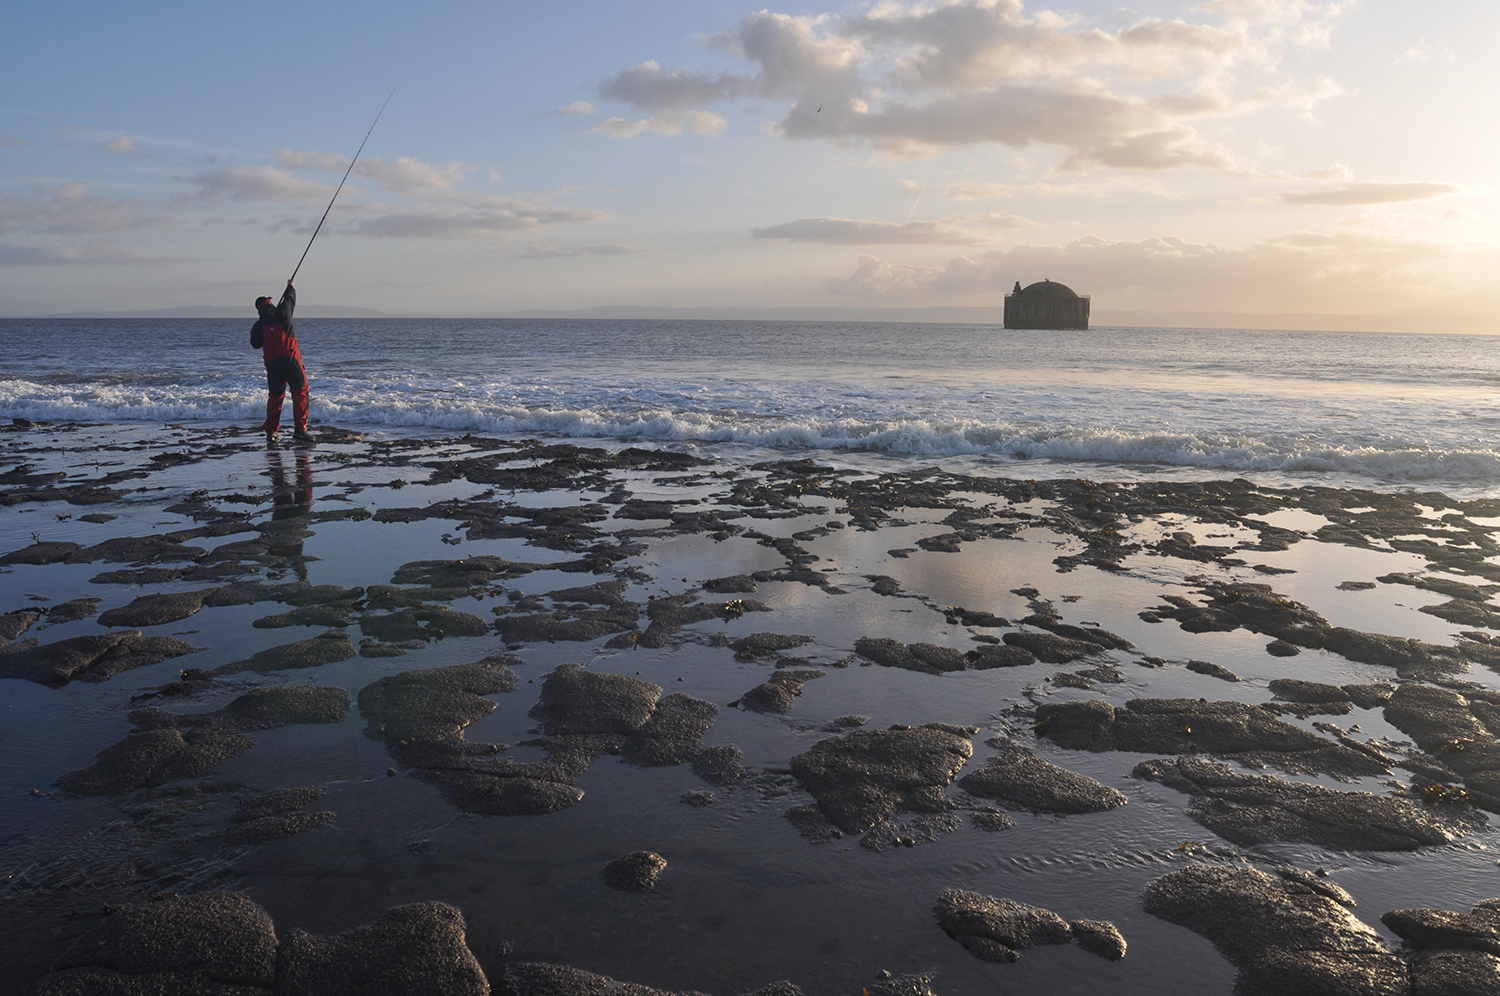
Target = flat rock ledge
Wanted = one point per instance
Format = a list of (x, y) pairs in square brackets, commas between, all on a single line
[(1293, 933), (1016, 776), (1245, 733), (1260, 809), (222, 944), (87, 658), (166, 745), (997, 930), (860, 778)]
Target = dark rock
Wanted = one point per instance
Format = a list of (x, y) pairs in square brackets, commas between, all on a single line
[(1355, 585), (1051, 648), (1297, 690), (635, 872), (1455, 973), (577, 627), (733, 583), (991, 820), (1452, 727), (432, 622), (577, 701), (984, 658), (1280, 648), (136, 550), (926, 657), (1369, 696), (1017, 776), (220, 937), (155, 610), (719, 765), (698, 797), (775, 695), (278, 801), (434, 703), (759, 644), (16, 622), (1258, 809), (326, 648), (842, 723), (268, 828), (882, 584), (168, 745), (1099, 937), (673, 734), (1477, 930), (1282, 935), (540, 979), (997, 929), (88, 658), (1183, 726), (72, 610), (1212, 670), (861, 778), (923, 829), (311, 615), (410, 951), (40, 553)]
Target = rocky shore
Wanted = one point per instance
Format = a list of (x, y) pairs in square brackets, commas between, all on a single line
[(423, 714)]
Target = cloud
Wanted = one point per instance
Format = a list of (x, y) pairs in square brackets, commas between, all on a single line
[(92, 253), (576, 107), (913, 79), (1359, 194), (953, 230), (496, 218), (544, 251), (404, 175), (666, 123), (258, 183), (71, 209), (124, 145), (1303, 271), (12, 141), (1425, 51)]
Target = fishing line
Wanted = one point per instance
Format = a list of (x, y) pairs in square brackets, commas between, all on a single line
[(341, 186)]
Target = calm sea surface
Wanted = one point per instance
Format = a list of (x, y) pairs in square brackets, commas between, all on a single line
[(1338, 408)]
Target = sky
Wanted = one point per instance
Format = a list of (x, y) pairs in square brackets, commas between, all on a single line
[(1251, 156)]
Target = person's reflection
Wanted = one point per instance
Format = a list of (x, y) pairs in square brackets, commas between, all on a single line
[(291, 511)]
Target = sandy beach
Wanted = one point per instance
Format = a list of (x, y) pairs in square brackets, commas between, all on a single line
[(898, 730)]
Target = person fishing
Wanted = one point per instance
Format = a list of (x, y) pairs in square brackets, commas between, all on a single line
[(272, 334)]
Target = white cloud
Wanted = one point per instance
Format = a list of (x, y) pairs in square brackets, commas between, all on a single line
[(95, 252), (1426, 51), (541, 250), (494, 218), (258, 183), (665, 123), (404, 175), (124, 145), (71, 209), (1360, 194), (955, 230), (913, 79), (12, 141), (576, 107)]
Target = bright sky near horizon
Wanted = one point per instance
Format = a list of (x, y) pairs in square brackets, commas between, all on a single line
[(1257, 156)]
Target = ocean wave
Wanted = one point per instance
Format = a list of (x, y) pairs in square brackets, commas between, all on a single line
[(1135, 429)]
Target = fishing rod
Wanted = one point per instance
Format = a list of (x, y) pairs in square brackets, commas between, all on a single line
[(340, 186)]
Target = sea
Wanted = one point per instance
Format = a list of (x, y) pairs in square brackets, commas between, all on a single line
[(1281, 407)]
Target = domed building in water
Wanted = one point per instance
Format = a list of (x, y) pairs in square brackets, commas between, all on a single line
[(1046, 305)]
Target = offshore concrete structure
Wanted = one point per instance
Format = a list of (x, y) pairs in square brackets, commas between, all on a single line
[(1046, 305)]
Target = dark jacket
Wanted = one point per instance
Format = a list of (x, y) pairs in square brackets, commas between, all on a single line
[(272, 333)]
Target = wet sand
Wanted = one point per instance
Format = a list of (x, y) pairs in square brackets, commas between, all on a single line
[(835, 700)]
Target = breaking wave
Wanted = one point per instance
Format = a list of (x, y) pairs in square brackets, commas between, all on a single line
[(1379, 439)]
